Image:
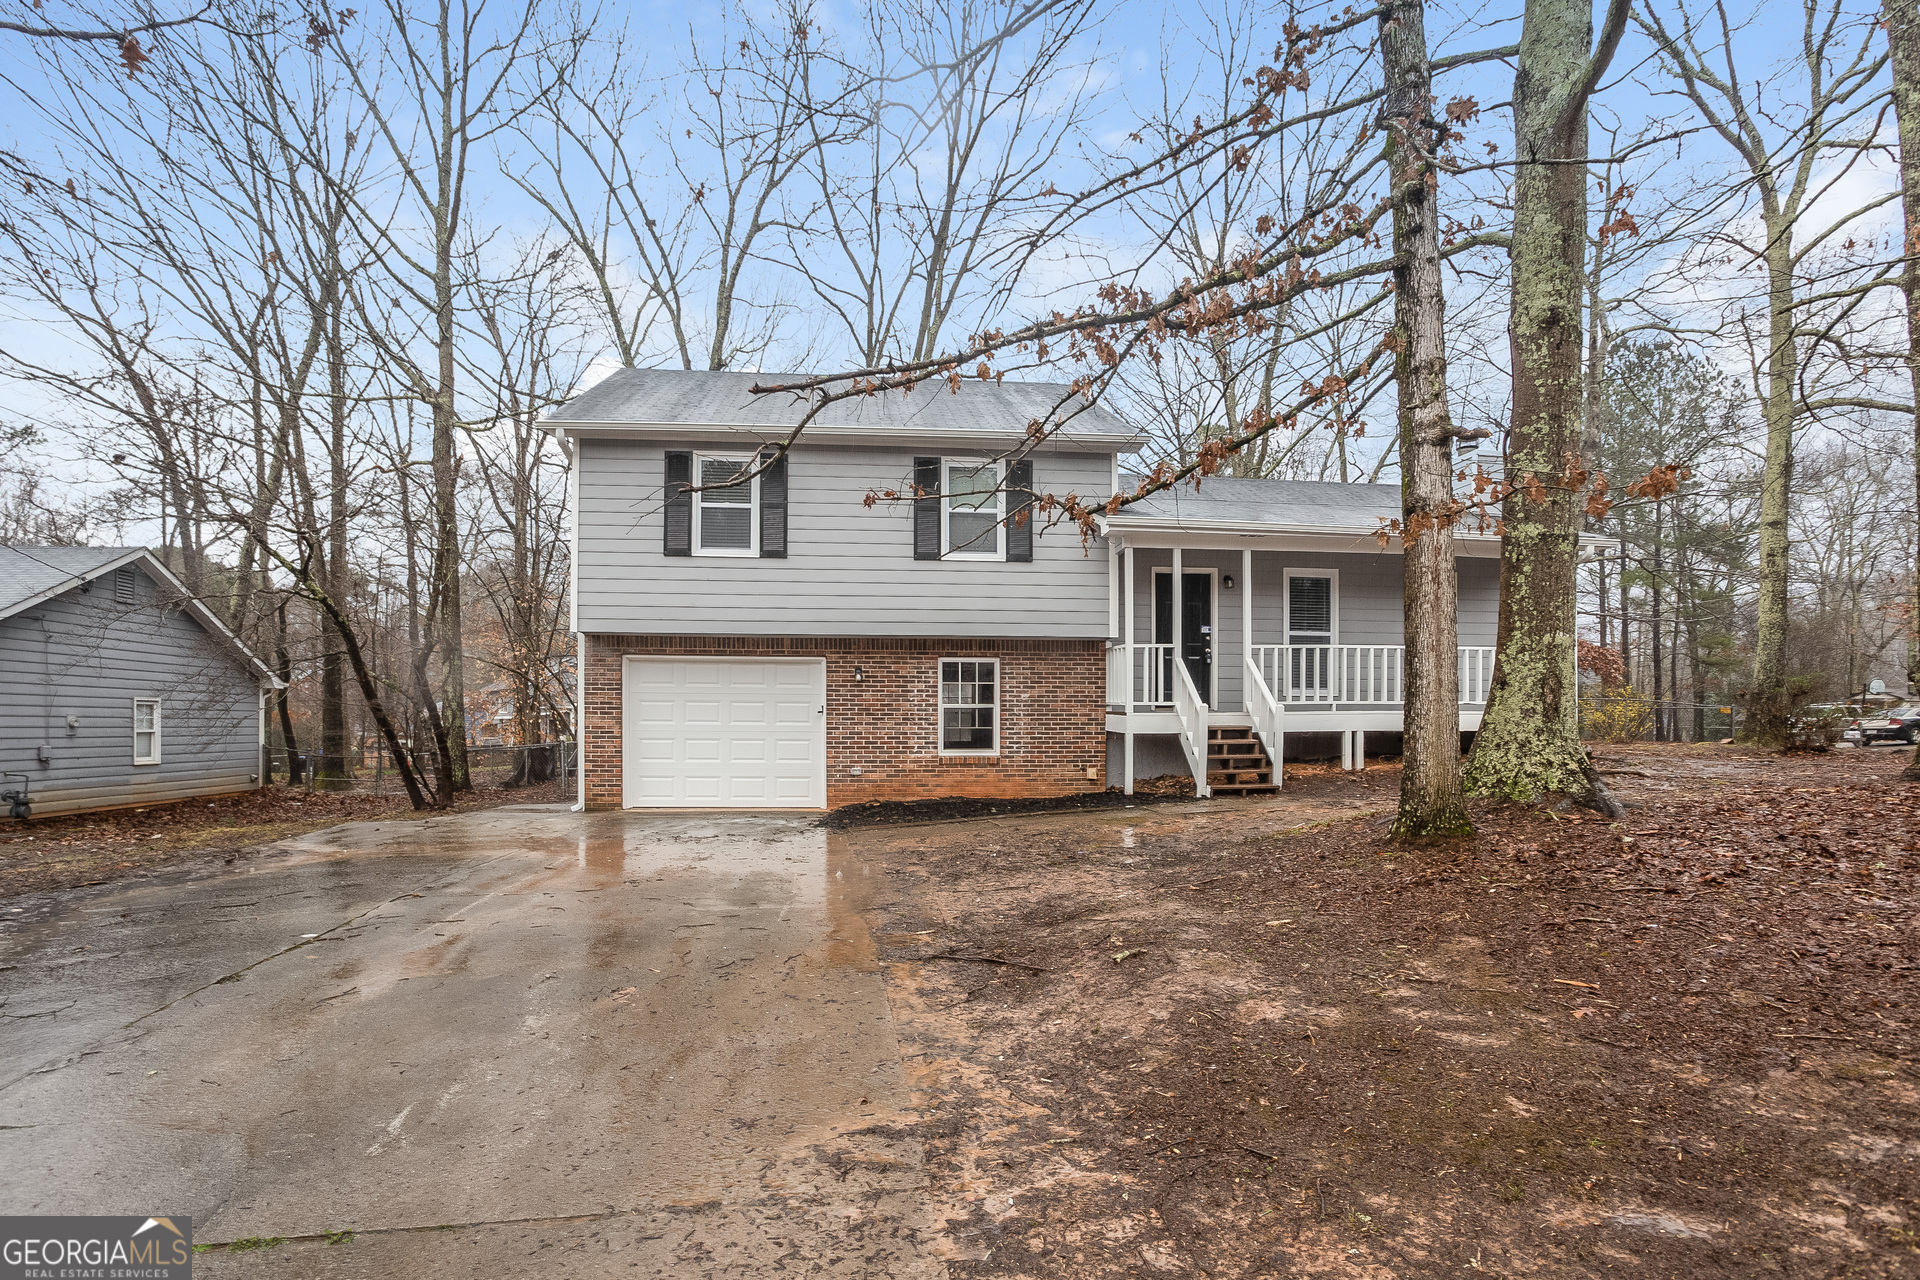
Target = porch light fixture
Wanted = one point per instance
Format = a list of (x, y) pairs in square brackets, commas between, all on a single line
[(858, 674), (1227, 582)]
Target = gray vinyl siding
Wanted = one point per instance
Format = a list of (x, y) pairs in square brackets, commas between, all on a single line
[(849, 569), (1370, 597), (82, 654)]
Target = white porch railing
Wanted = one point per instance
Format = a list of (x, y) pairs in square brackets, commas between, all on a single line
[(1294, 675), (1476, 675), (1140, 675), (1357, 674), (1268, 715), (1368, 674), (1192, 710)]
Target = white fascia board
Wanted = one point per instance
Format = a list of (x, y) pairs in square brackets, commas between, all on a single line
[(1263, 535), (1595, 545), (1068, 441), (1146, 533)]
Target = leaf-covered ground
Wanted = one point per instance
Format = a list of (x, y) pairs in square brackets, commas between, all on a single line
[(93, 848), (1679, 1045)]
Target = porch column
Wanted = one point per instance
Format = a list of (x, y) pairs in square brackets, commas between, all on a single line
[(1113, 589), (1246, 628), (1179, 620), (1126, 594)]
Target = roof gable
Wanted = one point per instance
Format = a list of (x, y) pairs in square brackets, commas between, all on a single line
[(32, 574)]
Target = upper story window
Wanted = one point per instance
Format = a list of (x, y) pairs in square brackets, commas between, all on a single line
[(725, 521), (973, 509)]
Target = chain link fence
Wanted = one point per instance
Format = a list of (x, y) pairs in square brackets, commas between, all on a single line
[(372, 772)]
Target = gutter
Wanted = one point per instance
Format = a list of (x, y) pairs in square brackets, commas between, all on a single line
[(766, 433), (1123, 525)]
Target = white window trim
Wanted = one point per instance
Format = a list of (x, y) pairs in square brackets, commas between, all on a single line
[(1286, 601), (947, 551), (1212, 691), (940, 709), (159, 742), (753, 507)]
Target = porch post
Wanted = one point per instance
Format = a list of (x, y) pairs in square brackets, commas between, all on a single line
[(1179, 615), (1113, 589), (1126, 593), (1246, 627), (1359, 748)]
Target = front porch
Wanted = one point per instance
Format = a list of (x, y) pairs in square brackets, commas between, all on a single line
[(1221, 648)]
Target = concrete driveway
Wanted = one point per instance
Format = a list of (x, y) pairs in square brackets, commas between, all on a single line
[(517, 1042)]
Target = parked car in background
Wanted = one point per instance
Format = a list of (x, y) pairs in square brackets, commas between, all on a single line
[(1896, 724)]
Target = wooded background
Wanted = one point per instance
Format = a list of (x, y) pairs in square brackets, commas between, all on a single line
[(288, 292)]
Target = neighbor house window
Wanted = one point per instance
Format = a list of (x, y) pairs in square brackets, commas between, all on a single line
[(146, 731), (969, 706), (725, 520), (972, 509)]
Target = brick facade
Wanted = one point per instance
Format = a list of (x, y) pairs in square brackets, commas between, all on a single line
[(885, 720)]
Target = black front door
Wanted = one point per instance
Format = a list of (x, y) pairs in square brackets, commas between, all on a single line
[(1196, 624)]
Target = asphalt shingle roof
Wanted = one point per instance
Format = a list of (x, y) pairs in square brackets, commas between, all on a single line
[(1312, 503), (29, 571), (700, 398)]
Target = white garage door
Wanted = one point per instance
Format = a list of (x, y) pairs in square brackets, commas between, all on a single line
[(725, 734)]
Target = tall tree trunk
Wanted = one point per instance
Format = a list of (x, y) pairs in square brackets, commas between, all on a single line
[(1769, 706), (1903, 39), (1431, 802), (333, 772), (450, 722), (1529, 740), (1661, 687), (283, 667)]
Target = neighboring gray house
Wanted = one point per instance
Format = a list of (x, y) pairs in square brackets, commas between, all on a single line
[(790, 644), (116, 688)]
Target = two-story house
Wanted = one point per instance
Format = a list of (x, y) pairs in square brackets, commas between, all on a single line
[(794, 643)]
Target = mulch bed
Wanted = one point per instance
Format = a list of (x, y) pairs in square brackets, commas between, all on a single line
[(952, 808), (1683, 1043), (70, 851)]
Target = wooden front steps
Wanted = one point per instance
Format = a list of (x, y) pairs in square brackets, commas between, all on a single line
[(1236, 762)]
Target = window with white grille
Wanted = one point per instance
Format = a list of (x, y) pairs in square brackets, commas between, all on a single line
[(969, 706), (146, 731)]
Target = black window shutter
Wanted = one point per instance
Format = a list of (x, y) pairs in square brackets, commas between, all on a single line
[(773, 510), (926, 510), (679, 521), (1020, 511)]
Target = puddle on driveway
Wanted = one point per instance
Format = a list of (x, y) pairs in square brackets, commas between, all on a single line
[(503, 1016)]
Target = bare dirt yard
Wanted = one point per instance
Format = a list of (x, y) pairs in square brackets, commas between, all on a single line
[(1247, 1038), (94, 848)]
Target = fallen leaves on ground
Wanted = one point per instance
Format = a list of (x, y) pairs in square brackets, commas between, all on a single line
[(1681, 1043)]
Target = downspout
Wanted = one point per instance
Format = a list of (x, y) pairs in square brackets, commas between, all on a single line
[(46, 686), (568, 452)]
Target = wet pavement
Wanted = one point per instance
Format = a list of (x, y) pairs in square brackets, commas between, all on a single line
[(507, 1043)]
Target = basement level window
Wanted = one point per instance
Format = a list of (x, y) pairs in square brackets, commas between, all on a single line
[(146, 731), (969, 706)]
